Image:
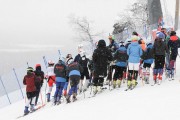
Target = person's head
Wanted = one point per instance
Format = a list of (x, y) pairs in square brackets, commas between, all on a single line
[(135, 33), (163, 30), (101, 43), (160, 36), (69, 61), (50, 63), (111, 38), (134, 38), (82, 54), (30, 70), (38, 67), (68, 56), (121, 43), (173, 33)]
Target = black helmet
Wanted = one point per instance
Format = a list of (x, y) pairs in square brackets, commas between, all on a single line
[(101, 43)]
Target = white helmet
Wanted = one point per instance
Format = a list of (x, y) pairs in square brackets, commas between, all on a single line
[(80, 46), (50, 62)]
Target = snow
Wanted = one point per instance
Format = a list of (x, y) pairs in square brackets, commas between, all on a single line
[(143, 103)]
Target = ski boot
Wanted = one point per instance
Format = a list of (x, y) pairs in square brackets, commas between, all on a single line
[(48, 97), (68, 98), (159, 79), (74, 97), (114, 84), (119, 83), (32, 109), (134, 83), (95, 90), (26, 111)]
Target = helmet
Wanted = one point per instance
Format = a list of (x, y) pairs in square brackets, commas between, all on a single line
[(111, 37), (69, 61), (30, 69), (38, 65), (134, 38), (160, 35), (50, 62), (80, 46), (135, 33)]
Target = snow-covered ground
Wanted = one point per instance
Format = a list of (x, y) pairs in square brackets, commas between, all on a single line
[(143, 103)]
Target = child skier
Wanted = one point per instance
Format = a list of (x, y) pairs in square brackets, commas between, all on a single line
[(29, 81), (74, 69)]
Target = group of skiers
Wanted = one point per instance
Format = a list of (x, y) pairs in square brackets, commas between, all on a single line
[(127, 60)]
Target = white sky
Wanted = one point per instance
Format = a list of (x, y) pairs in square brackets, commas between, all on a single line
[(37, 21)]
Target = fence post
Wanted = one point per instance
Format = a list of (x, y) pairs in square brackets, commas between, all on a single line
[(18, 82), (5, 90)]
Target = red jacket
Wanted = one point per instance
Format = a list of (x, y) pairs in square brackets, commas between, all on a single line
[(29, 81)]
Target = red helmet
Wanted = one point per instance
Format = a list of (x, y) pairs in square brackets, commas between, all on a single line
[(38, 65)]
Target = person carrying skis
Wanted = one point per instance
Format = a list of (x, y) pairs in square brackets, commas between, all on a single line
[(60, 71), (113, 46), (159, 50), (121, 58), (40, 76), (101, 56), (29, 81), (134, 52), (78, 56), (147, 59), (83, 61), (173, 45), (50, 78), (73, 71)]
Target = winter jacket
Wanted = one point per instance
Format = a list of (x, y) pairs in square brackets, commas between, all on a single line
[(83, 61), (50, 73), (40, 76), (121, 57), (160, 47), (74, 69), (29, 81), (60, 72), (101, 57), (113, 46), (148, 54), (134, 51), (173, 45), (77, 58)]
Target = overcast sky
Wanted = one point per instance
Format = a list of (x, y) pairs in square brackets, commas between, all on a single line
[(46, 21)]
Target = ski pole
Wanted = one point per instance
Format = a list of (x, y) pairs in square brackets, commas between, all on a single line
[(18, 82), (59, 54), (5, 90), (45, 62)]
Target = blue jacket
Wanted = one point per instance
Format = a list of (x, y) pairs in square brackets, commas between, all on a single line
[(149, 55), (121, 57), (134, 51)]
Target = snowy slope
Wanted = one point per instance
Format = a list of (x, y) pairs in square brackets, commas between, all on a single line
[(143, 103)]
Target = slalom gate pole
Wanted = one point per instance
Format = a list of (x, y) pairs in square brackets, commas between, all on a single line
[(5, 90), (18, 82)]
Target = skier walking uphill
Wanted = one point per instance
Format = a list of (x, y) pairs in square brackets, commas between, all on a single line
[(83, 61), (159, 51), (134, 52), (73, 70), (50, 78), (121, 58), (60, 73), (101, 56), (173, 45), (40, 76), (29, 81), (148, 59), (113, 46)]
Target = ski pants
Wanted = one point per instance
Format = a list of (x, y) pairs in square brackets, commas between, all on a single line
[(159, 61), (98, 81), (85, 73), (119, 72), (59, 89), (74, 81), (31, 98)]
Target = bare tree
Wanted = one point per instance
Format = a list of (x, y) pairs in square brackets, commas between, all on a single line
[(84, 27)]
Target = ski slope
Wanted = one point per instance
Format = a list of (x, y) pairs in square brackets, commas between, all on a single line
[(143, 103)]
